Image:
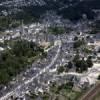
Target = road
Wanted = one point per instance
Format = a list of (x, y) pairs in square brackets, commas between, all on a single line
[(25, 83)]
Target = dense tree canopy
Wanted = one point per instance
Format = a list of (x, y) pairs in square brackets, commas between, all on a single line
[(14, 60)]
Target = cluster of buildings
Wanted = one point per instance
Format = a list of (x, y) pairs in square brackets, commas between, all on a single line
[(60, 52)]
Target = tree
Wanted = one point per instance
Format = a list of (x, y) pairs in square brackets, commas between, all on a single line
[(89, 62), (76, 38), (99, 77), (79, 43), (60, 69), (81, 65), (70, 65), (76, 58)]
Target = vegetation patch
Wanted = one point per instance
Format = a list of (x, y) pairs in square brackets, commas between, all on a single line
[(59, 92), (15, 59), (56, 30)]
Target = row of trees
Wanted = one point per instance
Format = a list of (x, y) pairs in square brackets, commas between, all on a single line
[(81, 65)]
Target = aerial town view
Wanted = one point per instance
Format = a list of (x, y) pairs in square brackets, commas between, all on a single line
[(49, 49)]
